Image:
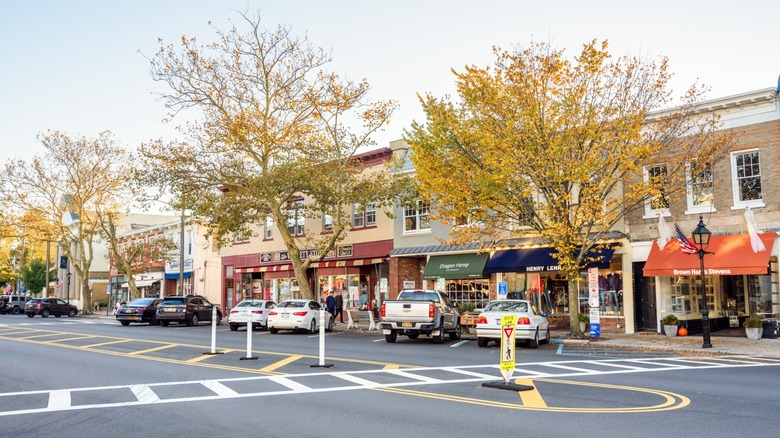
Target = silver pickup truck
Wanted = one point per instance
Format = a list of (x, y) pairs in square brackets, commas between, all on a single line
[(420, 312)]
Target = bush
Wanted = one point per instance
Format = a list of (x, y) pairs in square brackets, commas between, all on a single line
[(670, 320), (584, 318), (466, 308), (753, 322)]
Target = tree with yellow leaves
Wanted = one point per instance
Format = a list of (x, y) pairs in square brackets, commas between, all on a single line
[(273, 128), (541, 145)]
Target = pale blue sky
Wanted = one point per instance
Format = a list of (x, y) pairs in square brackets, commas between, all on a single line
[(74, 65)]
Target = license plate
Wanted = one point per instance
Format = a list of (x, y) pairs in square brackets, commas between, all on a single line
[(406, 324), (170, 309), (285, 315)]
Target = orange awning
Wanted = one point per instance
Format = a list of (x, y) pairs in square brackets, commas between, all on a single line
[(732, 255)]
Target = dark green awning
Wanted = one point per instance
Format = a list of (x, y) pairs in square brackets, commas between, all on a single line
[(455, 266)]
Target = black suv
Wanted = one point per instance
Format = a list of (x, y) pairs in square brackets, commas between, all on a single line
[(49, 306), (190, 310)]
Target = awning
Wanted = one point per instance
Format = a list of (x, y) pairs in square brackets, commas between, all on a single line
[(732, 255), (141, 283), (323, 264), (455, 266), (542, 259), (175, 275)]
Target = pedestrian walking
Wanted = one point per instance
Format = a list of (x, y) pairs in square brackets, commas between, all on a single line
[(339, 307), (330, 304)]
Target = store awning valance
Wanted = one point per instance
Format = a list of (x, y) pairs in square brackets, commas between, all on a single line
[(141, 283), (454, 266), (542, 260), (175, 275), (731, 255)]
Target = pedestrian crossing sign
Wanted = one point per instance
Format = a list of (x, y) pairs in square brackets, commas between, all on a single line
[(507, 363)]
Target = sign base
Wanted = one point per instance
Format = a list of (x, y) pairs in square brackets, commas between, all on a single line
[(508, 386)]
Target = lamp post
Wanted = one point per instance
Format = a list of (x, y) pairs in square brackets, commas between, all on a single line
[(701, 237)]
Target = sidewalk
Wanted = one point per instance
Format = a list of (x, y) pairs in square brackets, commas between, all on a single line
[(649, 342)]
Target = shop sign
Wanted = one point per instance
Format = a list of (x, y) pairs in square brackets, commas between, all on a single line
[(593, 302), (546, 268), (697, 272)]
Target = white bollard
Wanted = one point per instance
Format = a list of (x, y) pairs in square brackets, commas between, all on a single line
[(322, 363), (213, 331), (249, 338)]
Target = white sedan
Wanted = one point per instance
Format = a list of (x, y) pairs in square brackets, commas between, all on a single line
[(298, 315), (531, 323), (257, 310)]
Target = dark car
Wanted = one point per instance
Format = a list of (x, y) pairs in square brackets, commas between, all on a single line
[(49, 306), (190, 310), (140, 310)]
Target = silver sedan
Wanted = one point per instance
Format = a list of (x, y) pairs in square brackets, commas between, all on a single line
[(531, 325)]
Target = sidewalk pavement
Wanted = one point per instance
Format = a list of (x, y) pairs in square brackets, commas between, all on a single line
[(648, 342)]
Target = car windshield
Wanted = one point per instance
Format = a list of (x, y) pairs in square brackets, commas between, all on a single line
[(142, 302), (419, 296), (250, 304), (507, 306), (296, 304), (175, 301)]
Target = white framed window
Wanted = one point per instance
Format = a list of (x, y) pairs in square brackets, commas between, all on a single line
[(327, 222), (700, 194), (657, 175), (746, 179), (295, 218), (242, 235), (268, 231), (416, 218), (363, 216)]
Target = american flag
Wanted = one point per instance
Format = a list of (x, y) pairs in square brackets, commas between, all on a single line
[(686, 245), (59, 284)]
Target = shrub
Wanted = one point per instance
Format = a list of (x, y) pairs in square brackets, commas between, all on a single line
[(753, 322), (670, 320), (466, 308), (584, 318)]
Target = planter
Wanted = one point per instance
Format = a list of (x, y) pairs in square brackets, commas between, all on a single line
[(754, 333), (584, 327), (670, 330)]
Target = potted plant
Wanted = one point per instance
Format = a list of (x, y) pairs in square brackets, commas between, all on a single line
[(670, 323), (754, 328), (584, 322)]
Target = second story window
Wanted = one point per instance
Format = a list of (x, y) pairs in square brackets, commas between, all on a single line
[(700, 194), (416, 218), (327, 222), (656, 175), (746, 178), (268, 231), (363, 216), (242, 235), (295, 218)]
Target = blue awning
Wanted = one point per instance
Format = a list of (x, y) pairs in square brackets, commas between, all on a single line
[(541, 260), (175, 276)]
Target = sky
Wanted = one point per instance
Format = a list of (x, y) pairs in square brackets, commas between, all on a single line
[(78, 66)]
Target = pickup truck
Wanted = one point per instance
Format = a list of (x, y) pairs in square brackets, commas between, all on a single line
[(420, 312)]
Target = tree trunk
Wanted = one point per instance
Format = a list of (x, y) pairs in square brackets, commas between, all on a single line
[(86, 294), (574, 308)]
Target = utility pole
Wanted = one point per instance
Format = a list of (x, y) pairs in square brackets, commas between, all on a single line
[(181, 255)]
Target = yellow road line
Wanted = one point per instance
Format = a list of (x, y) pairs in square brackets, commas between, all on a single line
[(281, 363), (100, 344), (40, 336), (161, 347), (530, 398), (392, 366), (199, 358)]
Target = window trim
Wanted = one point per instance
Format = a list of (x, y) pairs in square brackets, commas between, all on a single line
[(294, 221), (417, 216), (736, 203), (703, 208), (369, 211), (651, 213)]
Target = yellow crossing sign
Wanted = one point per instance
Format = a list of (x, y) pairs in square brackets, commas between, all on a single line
[(507, 364)]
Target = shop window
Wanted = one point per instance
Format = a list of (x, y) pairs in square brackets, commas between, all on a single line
[(656, 176), (699, 182), (746, 178), (416, 218)]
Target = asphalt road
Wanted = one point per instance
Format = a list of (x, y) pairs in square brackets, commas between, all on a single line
[(86, 377)]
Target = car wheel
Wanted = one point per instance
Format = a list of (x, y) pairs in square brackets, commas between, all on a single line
[(16, 310), (71, 313), (313, 327), (44, 313), (273, 330), (233, 327), (482, 342), (30, 315), (125, 323), (534, 343), (438, 339), (455, 334), (194, 321), (219, 318), (164, 323), (391, 337), (546, 339), (329, 328)]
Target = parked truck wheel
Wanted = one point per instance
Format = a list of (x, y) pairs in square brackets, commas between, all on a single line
[(390, 338), (438, 339), (455, 334)]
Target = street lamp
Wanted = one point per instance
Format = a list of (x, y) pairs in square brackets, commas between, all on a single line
[(701, 237)]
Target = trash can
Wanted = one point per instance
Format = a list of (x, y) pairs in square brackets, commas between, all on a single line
[(771, 329)]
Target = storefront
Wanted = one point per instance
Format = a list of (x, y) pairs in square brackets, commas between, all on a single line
[(462, 276), (738, 281), (534, 274)]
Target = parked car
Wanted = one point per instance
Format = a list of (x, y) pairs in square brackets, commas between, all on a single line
[(531, 325), (139, 310), (13, 303), (257, 310), (49, 306), (297, 315), (189, 309)]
